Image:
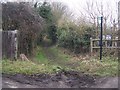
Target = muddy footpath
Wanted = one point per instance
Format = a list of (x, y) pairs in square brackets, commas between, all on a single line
[(63, 79)]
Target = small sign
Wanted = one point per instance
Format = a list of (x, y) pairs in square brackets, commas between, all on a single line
[(99, 20), (108, 37)]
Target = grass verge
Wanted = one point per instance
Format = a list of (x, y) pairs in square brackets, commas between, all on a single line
[(53, 60), (27, 67), (108, 67)]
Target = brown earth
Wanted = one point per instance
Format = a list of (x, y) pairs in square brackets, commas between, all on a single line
[(64, 79)]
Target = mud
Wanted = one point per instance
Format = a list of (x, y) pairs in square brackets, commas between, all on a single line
[(63, 79)]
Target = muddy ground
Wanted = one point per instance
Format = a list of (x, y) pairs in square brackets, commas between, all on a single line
[(64, 79)]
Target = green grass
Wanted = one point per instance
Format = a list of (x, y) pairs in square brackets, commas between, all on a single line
[(40, 55), (60, 54), (40, 64), (23, 67), (27, 67), (92, 67), (108, 67), (0, 66), (51, 55), (53, 60)]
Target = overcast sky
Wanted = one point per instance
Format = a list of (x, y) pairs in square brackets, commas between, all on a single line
[(79, 5)]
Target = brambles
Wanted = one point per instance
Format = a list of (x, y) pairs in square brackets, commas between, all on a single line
[(22, 17)]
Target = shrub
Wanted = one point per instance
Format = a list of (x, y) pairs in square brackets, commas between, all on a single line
[(21, 16), (45, 12), (74, 39)]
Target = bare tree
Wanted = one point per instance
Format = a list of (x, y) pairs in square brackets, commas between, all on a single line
[(95, 9), (26, 20), (61, 12)]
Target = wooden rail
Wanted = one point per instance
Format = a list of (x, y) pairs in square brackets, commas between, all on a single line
[(110, 44)]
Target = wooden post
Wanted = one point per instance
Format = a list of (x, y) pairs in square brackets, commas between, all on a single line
[(91, 44), (118, 43), (0, 44), (9, 44), (16, 44)]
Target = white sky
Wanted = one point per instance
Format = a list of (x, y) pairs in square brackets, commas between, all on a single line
[(79, 5), (76, 5)]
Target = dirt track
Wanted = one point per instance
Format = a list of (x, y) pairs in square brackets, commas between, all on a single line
[(67, 79), (107, 82)]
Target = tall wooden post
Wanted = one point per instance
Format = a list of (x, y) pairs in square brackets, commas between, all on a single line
[(119, 19), (16, 44), (118, 40), (0, 57), (118, 26), (0, 32), (91, 45)]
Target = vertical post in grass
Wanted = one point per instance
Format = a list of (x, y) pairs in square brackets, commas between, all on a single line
[(101, 34), (16, 44), (91, 44)]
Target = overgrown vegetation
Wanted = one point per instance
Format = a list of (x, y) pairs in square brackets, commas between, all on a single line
[(45, 12), (75, 38), (108, 67), (51, 55), (57, 28), (66, 33), (59, 61), (22, 17), (44, 30)]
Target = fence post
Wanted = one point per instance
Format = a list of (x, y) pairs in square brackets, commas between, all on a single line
[(91, 44), (16, 43)]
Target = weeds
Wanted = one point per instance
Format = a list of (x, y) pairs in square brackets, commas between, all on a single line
[(54, 60)]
